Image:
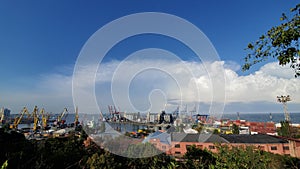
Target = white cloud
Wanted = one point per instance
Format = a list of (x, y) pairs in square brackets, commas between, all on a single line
[(178, 81), (192, 82), (263, 85), (274, 69)]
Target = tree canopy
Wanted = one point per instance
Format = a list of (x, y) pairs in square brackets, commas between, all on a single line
[(70, 152), (280, 42)]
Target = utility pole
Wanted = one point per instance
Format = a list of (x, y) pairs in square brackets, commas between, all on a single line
[(284, 100)]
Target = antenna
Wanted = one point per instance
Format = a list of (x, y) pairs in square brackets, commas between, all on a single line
[(284, 100)]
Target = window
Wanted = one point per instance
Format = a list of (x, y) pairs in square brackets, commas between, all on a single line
[(273, 147), (177, 145), (211, 147), (177, 152), (286, 147), (163, 147)]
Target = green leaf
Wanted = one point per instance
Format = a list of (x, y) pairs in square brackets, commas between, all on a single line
[(250, 46)]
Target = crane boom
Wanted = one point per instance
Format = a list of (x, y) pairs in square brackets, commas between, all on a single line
[(44, 118), (18, 119), (35, 117), (64, 114)]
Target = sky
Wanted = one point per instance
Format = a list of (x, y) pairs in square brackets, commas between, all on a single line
[(40, 43)]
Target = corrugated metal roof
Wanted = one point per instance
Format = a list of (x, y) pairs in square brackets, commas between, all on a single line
[(256, 138), (189, 137), (162, 136)]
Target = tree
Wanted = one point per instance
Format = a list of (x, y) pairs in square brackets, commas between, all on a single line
[(4, 165), (287, 130), (235, 129), (104, 160), (284, 130), (280, 42), (198, 158), (247, 157), (242, 157)]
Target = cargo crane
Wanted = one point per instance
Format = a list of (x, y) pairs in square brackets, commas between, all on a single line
[(2, 115), (61, 119), (34, 114), (115, 115), (284, 100), (44, 118), (18, 119)]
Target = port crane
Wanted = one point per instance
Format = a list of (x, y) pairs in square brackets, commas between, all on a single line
[(18, 119), (34, 114), (61, 119), (114, 113), (1, 114), (44, 118)]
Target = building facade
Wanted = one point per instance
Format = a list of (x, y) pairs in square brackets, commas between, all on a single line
[(179, 143)]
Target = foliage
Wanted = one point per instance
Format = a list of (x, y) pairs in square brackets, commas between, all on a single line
[(141, 150), (109, 160), (58, 152), (248, 157), (280, 42), (241, 157), (284, 130), (197, 158), (14, 148), (235, 158), (104, 160), (288, 131), (235, 129), (4, 165), (70, 152), (50, 153)]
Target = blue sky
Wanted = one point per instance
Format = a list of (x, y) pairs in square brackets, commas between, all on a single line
[(40, 42)]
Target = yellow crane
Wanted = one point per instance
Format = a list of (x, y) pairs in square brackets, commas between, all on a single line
[(2, 115), (35, 117), (44, 118), (19, 118)]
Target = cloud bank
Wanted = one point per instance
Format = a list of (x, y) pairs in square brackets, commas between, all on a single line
[(152, 85)]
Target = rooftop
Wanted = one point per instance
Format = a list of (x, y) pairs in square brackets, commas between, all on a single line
[(191, 137), (256, 138), (162, 136)]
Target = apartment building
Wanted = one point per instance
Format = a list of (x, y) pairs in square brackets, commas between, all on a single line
[(176, 144)]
